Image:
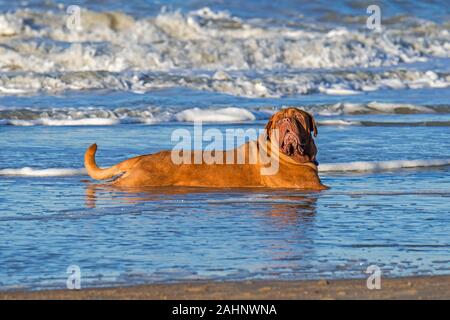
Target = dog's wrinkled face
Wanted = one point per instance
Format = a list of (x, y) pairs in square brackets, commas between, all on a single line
[(294, 134)]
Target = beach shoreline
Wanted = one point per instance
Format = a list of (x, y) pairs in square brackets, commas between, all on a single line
[(417, 288)]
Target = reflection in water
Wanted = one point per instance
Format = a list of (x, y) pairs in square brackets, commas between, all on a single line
[(282, 202), (299, 209), (277, 227)]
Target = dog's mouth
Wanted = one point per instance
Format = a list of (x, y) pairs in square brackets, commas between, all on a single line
[(291, 144), (290, 141)]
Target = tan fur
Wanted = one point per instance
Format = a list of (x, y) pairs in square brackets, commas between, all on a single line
[(159, 170)]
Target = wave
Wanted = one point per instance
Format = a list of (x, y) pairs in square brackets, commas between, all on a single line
[(204, 39), (323, 167), (212, 50), (61, 122), (50, 172), (381, 165), (99, 116), (260, 84), (376, 108), (338, 123), (402, 124), (84, 116), (220, 115)]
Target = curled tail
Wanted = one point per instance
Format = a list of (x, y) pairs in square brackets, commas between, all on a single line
[(94, 171)]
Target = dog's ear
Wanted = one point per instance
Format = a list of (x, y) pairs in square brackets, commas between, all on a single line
[(306, 119), (312, 124)]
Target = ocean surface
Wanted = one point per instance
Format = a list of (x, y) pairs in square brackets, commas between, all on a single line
[(132, 72)]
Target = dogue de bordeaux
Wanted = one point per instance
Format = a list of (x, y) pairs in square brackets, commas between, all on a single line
[(283, 157)]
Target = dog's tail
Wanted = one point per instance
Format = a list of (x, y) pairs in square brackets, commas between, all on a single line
[(94, 171)]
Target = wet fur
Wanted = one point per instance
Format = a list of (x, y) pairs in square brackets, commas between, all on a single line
[(159, 170)]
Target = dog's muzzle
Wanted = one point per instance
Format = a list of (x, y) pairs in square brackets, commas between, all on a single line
[(289, 138)]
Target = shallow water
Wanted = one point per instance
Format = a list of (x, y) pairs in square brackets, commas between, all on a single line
[(384, 149), (395, 219)]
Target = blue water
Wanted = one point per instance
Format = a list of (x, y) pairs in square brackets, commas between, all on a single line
[(399, 109)]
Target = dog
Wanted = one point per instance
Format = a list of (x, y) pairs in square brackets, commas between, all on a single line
[(287, 146)]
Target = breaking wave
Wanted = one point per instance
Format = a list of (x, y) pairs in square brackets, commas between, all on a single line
[(50, 172), (266, 84), (382, 165), (215, 51), (220, 115), (323, 167), (204, 39), (97, 116)]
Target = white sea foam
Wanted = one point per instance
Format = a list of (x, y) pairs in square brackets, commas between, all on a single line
[(323, 167), (61, 122), (338, 123), (373, 108), (10, 25), (97, 116), (12, 90), (381, 165), (80, 122), (50, 172), (338, 91), (104, 117), (111, 45), (264, 84), (219, 115), (395, 108)]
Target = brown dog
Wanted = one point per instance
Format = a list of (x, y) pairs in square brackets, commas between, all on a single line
[(260, 164)]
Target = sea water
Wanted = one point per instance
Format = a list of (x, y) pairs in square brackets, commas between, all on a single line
[(135, 72)]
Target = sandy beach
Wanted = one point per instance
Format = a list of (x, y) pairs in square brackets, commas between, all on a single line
[(420, 288)]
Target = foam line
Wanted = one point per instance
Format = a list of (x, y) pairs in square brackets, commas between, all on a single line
[(381, 165), (50, 172), (323, 167)]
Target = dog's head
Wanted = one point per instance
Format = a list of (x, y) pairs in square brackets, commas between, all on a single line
[(293, 134)]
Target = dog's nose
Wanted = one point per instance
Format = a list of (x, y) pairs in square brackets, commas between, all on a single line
[(316, 162)]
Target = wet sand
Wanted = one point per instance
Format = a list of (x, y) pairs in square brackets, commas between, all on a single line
[(423, 287)]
